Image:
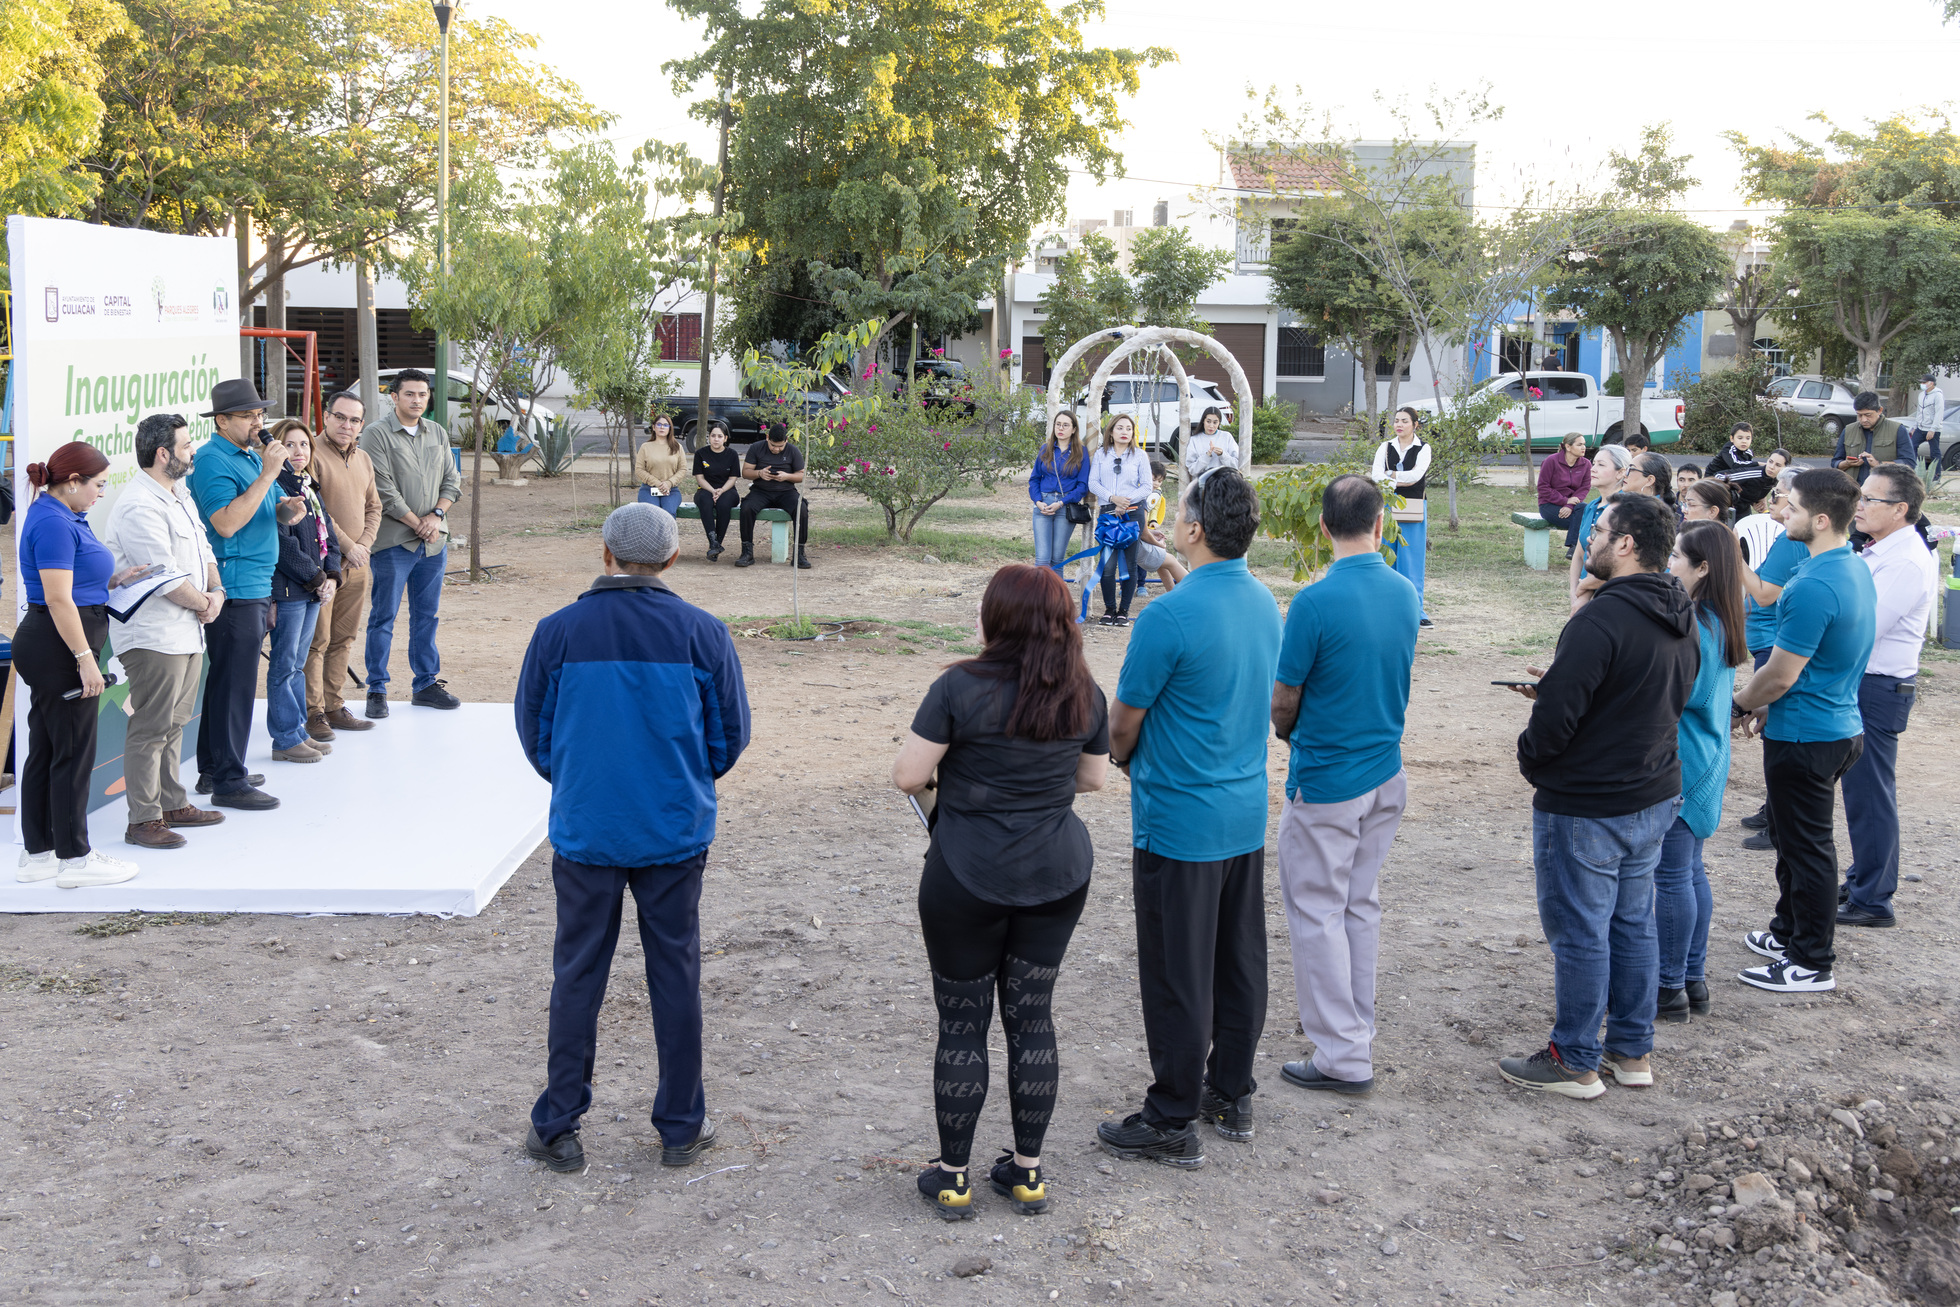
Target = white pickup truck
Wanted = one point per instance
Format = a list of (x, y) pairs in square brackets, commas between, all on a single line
[(1571, 401)]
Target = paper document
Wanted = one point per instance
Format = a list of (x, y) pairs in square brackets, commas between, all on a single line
[(126, 599)]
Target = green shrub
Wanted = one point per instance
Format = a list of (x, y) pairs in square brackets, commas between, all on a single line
[(1272, 427), (554, 453), (1718, 400), (1615, 386)]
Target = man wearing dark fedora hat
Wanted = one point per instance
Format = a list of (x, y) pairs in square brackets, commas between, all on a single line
[(234, 482)]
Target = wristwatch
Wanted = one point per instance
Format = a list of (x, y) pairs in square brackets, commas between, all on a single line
[(437, 512)]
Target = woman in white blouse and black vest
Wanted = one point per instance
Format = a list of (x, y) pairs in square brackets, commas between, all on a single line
[(1119, 478), (1405, 461)]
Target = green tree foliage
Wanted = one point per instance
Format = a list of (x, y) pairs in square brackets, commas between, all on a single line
[(50, 108), (1089, 294), (1640, 282), (1289, 510), (1717, 401), (902, 150), (1651, 178), (1272, 428), (1867, 278)]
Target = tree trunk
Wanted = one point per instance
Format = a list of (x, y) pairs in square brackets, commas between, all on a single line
[(1870, 358), (275, 318), (1369, 356), (242, 230), (1403, 349), (1745, 334), (1454, 520), (708, 293), (1633, 382), (368, 346)]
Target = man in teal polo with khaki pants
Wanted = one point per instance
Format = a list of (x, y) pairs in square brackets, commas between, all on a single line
[(1340, 701)]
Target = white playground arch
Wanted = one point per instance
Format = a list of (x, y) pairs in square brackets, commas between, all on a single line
[(1131, 340)]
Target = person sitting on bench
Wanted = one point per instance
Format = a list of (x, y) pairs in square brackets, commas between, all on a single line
[(776, 468)]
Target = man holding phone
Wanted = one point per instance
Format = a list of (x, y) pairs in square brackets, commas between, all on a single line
[(775, 468), (233, 484), (154, 526)]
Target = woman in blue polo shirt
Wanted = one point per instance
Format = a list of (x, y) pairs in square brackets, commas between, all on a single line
[(67, 575)]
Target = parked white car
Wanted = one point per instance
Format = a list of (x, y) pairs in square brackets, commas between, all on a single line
[(1830, 402), (1566, 402), (1152, 403), (462, 405)]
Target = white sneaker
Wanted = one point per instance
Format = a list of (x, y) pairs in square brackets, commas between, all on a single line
[(36, 866), (1762, 942), (95, 869), (1786, 977)]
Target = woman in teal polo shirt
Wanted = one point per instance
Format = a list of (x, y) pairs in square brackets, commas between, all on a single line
[(67, 575)]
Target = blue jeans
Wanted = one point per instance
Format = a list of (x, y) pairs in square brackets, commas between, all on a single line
[(1596, 903), (419, 574), (667, 899), (1410, 551), (671, 501), (1683, 905), (285, 677), (1051, 538), (1871, 794)]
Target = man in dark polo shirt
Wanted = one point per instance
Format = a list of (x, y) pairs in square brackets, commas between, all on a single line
[(773, 468)]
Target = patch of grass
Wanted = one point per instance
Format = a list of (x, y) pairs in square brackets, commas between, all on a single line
[(15, 979), (946, 546), (129, 923)]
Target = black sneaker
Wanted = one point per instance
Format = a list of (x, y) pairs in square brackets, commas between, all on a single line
[(204, 785), (1122, 619), (377, 704), (685, 1154), (1757, 820), (803, 560), (1853, 916), (1672, 1006), (948, 1192), (1547, 1072), (1107, 619), (433, 695), (1306, 1075), (1786, 977), (1760, 842), (1138, 1140), (1020, 1185), (1425, 622), (1764, 944), (1228, 1116), (748, 557), (249, 799), (564, 1153), (1698, 997)]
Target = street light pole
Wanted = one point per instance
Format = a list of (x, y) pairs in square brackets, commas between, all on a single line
[(439, 383)]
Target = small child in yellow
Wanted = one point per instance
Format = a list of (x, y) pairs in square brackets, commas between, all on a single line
[(1154, 554)]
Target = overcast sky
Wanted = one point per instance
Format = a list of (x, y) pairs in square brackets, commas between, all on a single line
[(1707, 66)]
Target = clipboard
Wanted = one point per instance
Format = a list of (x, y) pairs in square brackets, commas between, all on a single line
[(125, 600), (926, 805)]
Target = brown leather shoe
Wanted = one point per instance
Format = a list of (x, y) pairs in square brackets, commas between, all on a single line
[(342, 720), (317, 728), (192, 816), (153, 835)]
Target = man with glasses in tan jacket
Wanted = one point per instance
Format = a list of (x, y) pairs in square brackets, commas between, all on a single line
[(348, 493)]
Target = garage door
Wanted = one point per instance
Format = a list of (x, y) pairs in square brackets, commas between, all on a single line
[(1246, 342)]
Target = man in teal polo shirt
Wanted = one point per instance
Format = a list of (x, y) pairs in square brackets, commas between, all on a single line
[(1340, 700), (233, 481), (1804, 703), (1189, 726)]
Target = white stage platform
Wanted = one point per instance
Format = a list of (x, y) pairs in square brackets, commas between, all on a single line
[(429, 812)]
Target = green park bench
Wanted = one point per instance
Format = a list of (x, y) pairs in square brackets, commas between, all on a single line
[(1537, 540), (777, 519)]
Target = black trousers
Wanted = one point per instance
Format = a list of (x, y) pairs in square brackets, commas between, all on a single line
[(715, 512), (762, 496), (1124, 560), (57, 777), (1803, 782), (1201, 963), (667, 901), (231, 646)]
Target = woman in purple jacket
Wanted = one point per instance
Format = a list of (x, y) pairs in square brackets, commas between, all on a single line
[(1564, 480), (1060, 477)]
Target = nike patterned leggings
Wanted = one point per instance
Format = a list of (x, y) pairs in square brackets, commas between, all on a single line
[(978, 949)]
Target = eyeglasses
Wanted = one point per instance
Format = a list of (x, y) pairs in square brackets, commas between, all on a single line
[(1872, 499), (1599, 526)]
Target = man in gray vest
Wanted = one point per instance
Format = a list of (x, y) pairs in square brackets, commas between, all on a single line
[(1884, 439)]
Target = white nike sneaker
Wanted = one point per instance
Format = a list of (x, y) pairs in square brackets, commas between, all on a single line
[(1786, 977), (95, 869), (1765, 944), (36, 866)]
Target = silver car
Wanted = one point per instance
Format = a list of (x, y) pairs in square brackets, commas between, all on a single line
[(1812, 396)]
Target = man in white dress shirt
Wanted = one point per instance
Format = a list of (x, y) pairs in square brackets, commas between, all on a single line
[(1905, 574)]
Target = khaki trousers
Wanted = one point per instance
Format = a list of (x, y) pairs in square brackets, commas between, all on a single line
[(1330, 861), (162, 692), (342, 618)]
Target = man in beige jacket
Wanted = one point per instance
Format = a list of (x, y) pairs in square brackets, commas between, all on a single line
[(348, 492)]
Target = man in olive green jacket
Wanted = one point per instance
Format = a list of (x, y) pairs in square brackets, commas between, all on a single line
[(415, 475)]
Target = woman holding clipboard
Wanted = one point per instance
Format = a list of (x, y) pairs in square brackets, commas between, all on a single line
[(1405, 461)]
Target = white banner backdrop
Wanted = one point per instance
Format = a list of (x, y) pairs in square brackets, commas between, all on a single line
[(110, 326)]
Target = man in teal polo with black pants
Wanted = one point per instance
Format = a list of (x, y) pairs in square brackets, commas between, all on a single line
[(234, 483), (1189, 726)]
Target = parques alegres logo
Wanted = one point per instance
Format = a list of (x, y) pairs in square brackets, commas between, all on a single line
[(167, 310)]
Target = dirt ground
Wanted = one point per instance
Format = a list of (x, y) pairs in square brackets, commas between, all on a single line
[(200, 1107)]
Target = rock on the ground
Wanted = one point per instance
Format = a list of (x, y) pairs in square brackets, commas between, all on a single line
[(1763, 1225), (968, 1267), (1700, 1182), (1753, 1188), (1797, 1171)]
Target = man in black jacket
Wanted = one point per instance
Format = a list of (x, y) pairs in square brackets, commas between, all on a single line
[(1601, 752), (1748, 479)]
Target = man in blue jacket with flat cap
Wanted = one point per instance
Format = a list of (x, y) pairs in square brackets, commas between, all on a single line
[(631, 704)]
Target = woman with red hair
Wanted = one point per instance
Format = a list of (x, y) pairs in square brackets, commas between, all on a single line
[(1014, 734), (67, 574)]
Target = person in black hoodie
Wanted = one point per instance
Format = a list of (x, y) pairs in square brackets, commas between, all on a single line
[(1601, 752), (306, 575), (1749, 481)]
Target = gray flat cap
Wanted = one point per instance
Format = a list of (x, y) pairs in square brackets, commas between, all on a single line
[(642, 533)]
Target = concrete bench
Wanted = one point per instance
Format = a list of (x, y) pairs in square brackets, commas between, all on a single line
[(1537, 540), (778, 520)]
